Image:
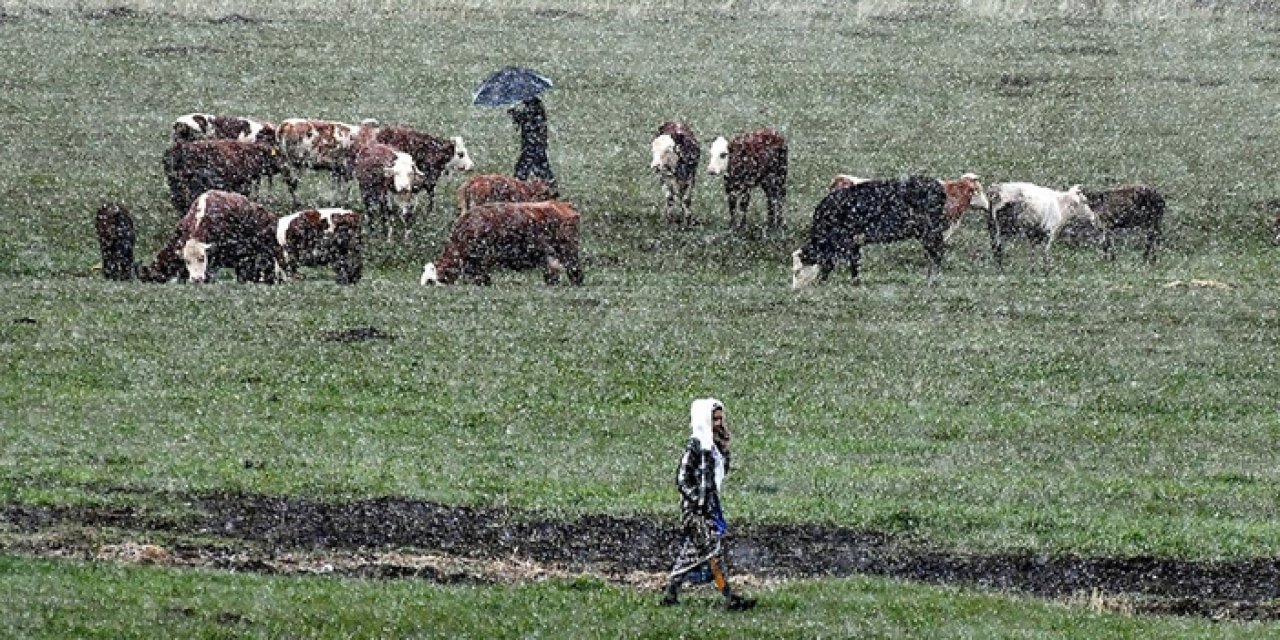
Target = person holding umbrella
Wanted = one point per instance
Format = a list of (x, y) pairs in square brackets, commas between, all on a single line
[(521, 87), (701, 473)]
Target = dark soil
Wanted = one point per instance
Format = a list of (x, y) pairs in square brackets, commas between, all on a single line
[(243, 526)]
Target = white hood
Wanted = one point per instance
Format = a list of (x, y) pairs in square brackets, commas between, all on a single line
[(701, 430)]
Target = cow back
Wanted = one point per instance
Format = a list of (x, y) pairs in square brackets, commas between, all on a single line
[(757, 156)]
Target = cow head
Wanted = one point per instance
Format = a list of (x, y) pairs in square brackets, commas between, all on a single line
[(664, 155), (802, 275), (461, 160), (977, 196), (192, 126), (719, 157), (1076, 205), (404, 174), (429, 275), (195, 255)]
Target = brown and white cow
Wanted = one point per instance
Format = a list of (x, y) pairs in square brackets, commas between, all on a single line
[(1130, 206), (322, 237), (221, 229), (433, 156), (191, 168), (512, 235), (674, 156), (324, 145), (750, 160), (116, 237), (205, 126), (389, 183), (962, 195), (493, 187)]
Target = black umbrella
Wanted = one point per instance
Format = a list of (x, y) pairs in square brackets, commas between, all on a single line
[(510, 85)]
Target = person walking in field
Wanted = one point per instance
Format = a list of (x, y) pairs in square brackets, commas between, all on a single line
[(530, 117), (699, 478)]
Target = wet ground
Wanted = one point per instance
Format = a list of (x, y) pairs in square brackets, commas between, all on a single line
[(397, 538)]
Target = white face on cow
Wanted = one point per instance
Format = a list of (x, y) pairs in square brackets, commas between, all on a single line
[(429, 275), (719, 157), (664, 157), (404, 173), (461, 160), (196, 256), (978, 198), (802, 275)]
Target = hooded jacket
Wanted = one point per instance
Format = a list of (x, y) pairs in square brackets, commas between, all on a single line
[(703, 465)]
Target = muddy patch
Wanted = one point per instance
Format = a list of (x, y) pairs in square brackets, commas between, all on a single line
[(399, 538), (172, 51), (356, 334)]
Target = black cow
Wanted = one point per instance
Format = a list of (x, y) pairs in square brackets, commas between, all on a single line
[(872, 212)]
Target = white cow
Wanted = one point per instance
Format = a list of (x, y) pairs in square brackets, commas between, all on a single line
[(1038, 212)]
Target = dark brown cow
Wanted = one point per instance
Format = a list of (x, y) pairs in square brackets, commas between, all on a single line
[(322, 237), (478, 190), (191, 168), (519, 235), (204, 126), (433, 156), (221, 229), (116, 238), (750, 160), (389, 182), (1129, 206), (674, 157)]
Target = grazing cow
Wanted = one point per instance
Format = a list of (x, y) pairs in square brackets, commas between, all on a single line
[(433, 156), (204, 126), (221, 229), (871, 212), (513, 235), (962, 195), (674, 157), (322, 237), (319, 145), (750, 160), (191, 168), (1129, 206), (478, 190), (116, 238), (1038, 212), (389, 182)]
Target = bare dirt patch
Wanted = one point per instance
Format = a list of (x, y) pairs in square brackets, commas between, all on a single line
[(398, 538)]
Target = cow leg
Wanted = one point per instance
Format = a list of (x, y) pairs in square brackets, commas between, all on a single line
[(686, 201), (934, 249), (777, 195), (997, 242), (668, 202), (1108, 251), (1153, 239), (744, 207), (855, 262), (733, 209)]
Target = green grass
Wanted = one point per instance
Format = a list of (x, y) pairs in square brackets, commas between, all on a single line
[(1094, 411), (61, 600)]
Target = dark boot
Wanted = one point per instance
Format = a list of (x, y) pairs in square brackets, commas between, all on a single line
[(735, 602), (671, 595)]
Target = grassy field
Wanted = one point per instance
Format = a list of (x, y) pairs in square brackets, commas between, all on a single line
[(1095, 411)]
